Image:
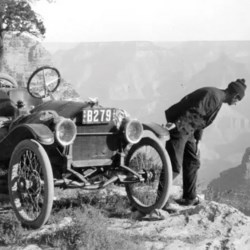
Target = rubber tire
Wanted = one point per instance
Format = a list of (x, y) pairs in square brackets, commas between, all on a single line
[(166, 167), (48, 182), (9, 79)]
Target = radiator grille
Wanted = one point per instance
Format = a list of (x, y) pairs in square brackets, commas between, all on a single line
[(95, 142)]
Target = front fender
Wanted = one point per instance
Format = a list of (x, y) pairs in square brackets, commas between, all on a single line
[(159, 131), (38, 132)]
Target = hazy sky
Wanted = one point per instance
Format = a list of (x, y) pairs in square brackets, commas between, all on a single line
[(150, 20)]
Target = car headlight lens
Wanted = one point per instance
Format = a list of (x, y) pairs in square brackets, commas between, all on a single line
[(133, 131), (65, 131)]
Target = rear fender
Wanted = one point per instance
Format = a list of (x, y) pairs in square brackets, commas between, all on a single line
[(159, 131)]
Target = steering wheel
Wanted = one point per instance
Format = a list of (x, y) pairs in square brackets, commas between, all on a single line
[(7, 81), (43, 82)]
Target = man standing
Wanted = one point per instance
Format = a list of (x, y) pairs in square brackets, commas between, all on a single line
[(191, 115)]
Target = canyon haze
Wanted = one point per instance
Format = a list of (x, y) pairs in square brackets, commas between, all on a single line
[(145, 78)]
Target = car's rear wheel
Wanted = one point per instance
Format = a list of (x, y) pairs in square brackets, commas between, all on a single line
[(149, 158), (30, 181)]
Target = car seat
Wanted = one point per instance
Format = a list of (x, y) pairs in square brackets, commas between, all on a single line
[(7, 112), (7, 106)]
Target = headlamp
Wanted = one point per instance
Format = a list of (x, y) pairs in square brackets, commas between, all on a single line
[(65, 131), (133, 131)]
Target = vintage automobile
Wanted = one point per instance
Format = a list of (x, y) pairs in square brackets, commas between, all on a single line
[(47, 143)]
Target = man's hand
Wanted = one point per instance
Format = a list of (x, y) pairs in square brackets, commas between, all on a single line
[(198, 145), (170, 126)]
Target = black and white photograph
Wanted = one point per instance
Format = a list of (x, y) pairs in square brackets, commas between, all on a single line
[(125, 124)]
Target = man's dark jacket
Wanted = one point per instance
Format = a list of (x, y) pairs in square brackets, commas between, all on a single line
[(197, 110)]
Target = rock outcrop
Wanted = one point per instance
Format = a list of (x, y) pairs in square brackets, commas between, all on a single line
[(23, 55), (209, 225), (233, 186)]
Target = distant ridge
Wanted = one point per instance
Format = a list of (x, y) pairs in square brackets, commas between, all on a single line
[(53, 47)]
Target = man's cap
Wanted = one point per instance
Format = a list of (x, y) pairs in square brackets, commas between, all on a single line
[(238, 87)]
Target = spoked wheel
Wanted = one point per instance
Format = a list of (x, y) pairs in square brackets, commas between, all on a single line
[(151, 161), (30, 181)]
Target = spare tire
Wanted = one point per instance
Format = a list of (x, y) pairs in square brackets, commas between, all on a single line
[(6, 81)]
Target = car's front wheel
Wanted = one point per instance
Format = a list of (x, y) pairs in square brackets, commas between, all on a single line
[(151, 161), (30, 181)]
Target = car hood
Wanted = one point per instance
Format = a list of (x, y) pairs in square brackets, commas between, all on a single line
[(67, 109)]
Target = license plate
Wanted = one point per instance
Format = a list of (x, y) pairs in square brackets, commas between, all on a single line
[(97, 116)]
